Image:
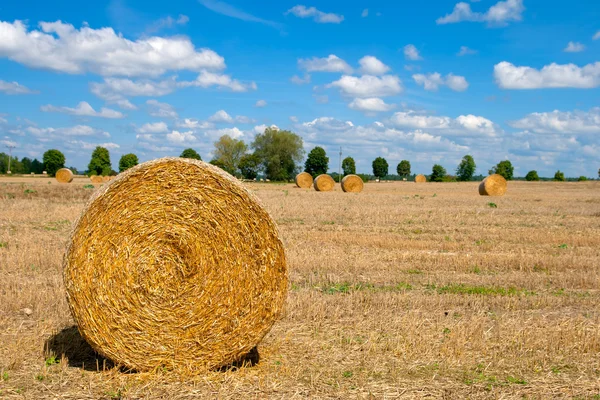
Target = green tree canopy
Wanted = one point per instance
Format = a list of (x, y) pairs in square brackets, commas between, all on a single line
[(26, 165), (582, 178), (437, 173), (466, 169), (37, 167), (249, 166), (229, 152), (279, 152), (317, 162), (190, 153), (127, 161), (348, 166), (559, 176), (53, 161), (100, 162), (380, 167), (532, 176), (503, 168), (403, 168)]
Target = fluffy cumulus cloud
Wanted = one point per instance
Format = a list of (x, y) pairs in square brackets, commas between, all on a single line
[(370, 105), (83, 109), (79, 145), (194, 124), (370, 65), (161, 110), (464, 50), (260, 103), (561, 122), (116, 90), (411, 53), (222, 116), (181, 138), (368, 85), (258, 129), (61, 47), (499, 14), (208, 79), (300, 81), (574, 47), (155, 127), (57, 133), (331, 63), (509, 76), (463, 125), (301, 11), (14, 87), (327, 124), (433, 81)]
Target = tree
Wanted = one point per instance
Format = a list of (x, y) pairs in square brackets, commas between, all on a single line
[(218, 163), (348, 166), (317, 162), (403, 168), (36, 166), (100, 162), (127, 161), (466, 169), (437, 173), (53, 161), (26, 165), (503, 168), (532, 176), (190, 153), (249, 166), (279, 153), (559, 176), (229, 152), (380, 167), (582, 178)]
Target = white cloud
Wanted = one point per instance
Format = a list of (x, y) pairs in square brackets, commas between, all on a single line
[(329, 124), (234, 133), (78, 130), (574, 47), (260, 103), (194, 124), (498, 14), (126, 104), (560, 122), (509, 76), (167, 22), (180, 138), (78, 144), (207, 79), (83, 109), (154, 127), (433, 81), (114, 90), (411, 53), (332, 63), (596, 36), (368, 85), (227, 9), (259, 129), (301, 11), (14, 87), (300, 81), (61, 47), (463, 125), (293, 118), (221, 116), (161, 110), (365, 13), (370, 105), (464, 50), (8, 143), (370, 65)]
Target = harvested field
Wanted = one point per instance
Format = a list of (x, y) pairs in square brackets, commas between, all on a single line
[(416, 291)]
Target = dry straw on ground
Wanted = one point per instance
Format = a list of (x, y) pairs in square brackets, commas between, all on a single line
[(352, 183), (64, 175), (324, 183), (96, 179), (420, 178), (304, 180), (493, 185), (175, 264)]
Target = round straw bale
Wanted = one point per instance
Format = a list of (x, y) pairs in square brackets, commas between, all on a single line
[(352, 183), (493, 185), (420, 178), (304, 180), (175, 264), (324, 183), (64, 175), (106, 178), (96, 179)]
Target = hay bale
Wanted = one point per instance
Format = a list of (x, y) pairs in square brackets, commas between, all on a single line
[(96, 179), (493, 185), (64, 175), (304, 180), (174, 263), (420, 178), (352, 183), (106, 178), (324, 183)]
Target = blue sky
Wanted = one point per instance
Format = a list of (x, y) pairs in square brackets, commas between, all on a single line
[(429, 82)]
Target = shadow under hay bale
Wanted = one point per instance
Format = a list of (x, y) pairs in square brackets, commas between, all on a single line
[(69, 343)]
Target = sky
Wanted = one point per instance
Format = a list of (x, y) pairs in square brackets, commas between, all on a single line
[(428, 82)]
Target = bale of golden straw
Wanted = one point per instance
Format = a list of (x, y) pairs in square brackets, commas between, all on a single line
[(64, 175), (493, 185), (324, 183), (304, 180), (96, 179), (174, 264), (420, 178), (352, 183)]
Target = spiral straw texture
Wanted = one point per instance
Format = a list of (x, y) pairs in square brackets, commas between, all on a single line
[(420, 178), (493, 185), (64, 175), (352, 183), (304, 180)]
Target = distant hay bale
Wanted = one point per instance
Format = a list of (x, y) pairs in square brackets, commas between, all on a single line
[(493, 185), (324, 183), (64, 175), (352, 183), (304, 180), (175, 264), (96, 179), (420, 178), (106, 178)]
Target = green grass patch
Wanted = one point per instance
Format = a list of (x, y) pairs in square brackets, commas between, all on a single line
[(482, 290), (346, 287)]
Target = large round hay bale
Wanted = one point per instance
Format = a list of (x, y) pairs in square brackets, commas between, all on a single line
[(106, 178), (64, 175), (352, 183), (324, 183), (304, 180), (96, 179), (175, 264), (420, 178), (493, 185)]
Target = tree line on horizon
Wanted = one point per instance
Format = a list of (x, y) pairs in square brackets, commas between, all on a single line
[(276, 154)]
